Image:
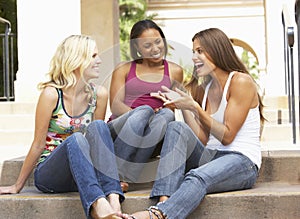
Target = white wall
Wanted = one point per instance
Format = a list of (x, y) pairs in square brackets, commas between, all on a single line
[(265, 36), (42, 25)]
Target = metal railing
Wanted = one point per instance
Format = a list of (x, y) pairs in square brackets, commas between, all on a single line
[(288, 33), (8, 68)]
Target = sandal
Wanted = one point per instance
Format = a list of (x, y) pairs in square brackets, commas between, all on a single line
[(124, 186), (153, 210), (153, 213)]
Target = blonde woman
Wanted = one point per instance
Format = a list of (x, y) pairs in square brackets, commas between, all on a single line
[(72, 147)]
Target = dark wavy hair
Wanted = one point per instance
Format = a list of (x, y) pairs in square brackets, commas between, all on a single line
[(136, 31)]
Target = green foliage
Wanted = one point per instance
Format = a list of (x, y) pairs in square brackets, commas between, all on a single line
[(251, 63), (131, 11)]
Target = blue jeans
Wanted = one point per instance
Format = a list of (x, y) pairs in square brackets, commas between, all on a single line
[(188, 171), (86, 164), (137, 135)]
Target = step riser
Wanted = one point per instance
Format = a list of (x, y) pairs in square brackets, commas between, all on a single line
[(19, 137), (277, 116), (257, 205), (276, 166), (17, 108), (282, 133), (17, 122)]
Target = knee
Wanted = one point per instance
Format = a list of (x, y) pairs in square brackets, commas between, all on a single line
[(145, 109), (76, 139), (166, 114), (196, 177), (76, 135), (96, 124)]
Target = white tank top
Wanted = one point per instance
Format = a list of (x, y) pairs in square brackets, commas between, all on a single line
[(247, 140)]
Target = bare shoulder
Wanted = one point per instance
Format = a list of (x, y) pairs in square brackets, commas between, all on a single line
[(123, 67), (48, 98), (176, 71), (242, 79), (174, 67), (49, 93), (244, 86)]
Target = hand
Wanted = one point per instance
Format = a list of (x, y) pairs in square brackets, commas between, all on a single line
[(8, 190), (166, 95), (178, 99)]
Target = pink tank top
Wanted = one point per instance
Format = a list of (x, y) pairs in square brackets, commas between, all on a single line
[(137, 91)]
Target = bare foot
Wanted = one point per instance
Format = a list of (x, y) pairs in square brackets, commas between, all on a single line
[(114, 202), (141, 215), (101, 209)]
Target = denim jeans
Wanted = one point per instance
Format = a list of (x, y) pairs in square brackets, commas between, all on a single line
[(188, 171), (86, 164), (137, 135)]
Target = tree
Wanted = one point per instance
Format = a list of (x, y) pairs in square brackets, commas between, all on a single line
[(131, 11)]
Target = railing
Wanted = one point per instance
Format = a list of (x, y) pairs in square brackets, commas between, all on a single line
[(288, 32), (7, 63)]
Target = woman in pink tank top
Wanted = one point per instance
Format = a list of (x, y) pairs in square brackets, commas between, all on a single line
[(138, 120)]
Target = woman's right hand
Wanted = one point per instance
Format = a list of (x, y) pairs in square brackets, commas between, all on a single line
[(8, 190)]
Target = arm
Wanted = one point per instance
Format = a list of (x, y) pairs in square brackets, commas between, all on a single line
[(180, 100), (46, 104), (242, 90), (117, 90), (102, 98), (195, 125)]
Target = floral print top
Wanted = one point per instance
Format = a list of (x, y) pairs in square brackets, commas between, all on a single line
[(62, 125)]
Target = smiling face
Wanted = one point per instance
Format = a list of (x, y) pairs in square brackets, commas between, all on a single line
[(93, 70), (203, 64), (150, 45)]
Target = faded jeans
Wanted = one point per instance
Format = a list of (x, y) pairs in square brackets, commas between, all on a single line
[(137, 135), (188, 171), (86, 164)]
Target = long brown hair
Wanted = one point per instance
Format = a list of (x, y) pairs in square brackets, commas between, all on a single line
[(220, 51)]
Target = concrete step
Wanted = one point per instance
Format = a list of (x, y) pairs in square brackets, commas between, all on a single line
[(16, 121), (273, 132), (277, 102), (265, 200), (16, 137), (278, 165), (277, 116), (17, 108)]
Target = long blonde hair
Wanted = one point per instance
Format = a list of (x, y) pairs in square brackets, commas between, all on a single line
[(76, 51)]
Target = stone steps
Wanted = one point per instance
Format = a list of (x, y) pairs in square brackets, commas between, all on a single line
[(265, 200), (275, 195)]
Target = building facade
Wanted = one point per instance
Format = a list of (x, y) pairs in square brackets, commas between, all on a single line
[(257, 23)]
